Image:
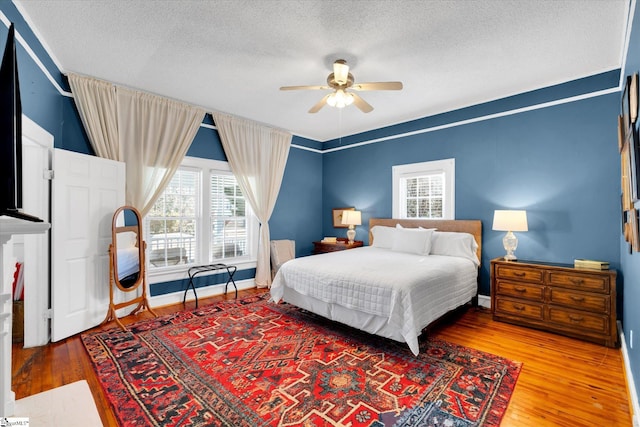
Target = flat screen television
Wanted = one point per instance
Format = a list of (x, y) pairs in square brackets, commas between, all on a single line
[(11, 134)]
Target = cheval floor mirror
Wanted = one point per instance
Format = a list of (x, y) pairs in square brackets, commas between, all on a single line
[(127, 262)]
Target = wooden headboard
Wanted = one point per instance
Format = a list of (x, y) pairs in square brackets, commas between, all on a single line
[(471, 226)]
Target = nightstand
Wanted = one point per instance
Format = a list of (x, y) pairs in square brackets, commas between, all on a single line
[(559, 298), (340, 245)]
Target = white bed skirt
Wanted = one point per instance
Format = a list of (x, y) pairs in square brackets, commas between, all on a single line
[(370, 323)]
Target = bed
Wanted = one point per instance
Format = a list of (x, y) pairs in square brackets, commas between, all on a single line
[(412, 273)]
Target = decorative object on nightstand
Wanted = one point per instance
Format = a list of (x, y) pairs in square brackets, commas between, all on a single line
[(510, 221), (559, 298), (340, 244), (351, 218)]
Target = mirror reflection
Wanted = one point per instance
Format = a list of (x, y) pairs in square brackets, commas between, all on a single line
[(127, 242), (128, 259)]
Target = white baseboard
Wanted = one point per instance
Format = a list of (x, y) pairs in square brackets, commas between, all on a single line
[(633, 394), (203, 292), (484, 301)]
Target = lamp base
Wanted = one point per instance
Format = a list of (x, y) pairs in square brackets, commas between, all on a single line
[(351, 234), (510, 243)]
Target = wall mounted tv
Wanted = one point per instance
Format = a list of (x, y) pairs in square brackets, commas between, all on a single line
[(11, 134)]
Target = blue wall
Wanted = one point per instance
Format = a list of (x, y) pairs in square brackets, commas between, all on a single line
[(630, 263), (560, 163)]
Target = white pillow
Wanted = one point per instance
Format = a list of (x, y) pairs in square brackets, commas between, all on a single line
[(383, 237), (126, 239), (455, 244), (413, 240)]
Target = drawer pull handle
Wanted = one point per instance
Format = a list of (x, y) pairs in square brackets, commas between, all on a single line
[(576, 318), (576, 281), (520, 289), (518, 307), (577, 299), (519, 273)]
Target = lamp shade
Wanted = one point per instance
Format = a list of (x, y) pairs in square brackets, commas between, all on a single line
[(351, 218), (505, 220)]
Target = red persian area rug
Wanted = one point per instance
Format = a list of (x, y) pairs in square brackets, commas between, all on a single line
[(252, 363)]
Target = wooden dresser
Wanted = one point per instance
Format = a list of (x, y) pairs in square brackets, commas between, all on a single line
[(342, 244), (559, 298)]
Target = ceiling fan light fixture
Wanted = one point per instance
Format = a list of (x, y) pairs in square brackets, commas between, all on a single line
[(340, 99), (331, 100), (340, 71)]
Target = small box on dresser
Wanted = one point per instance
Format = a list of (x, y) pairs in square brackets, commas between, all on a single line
[(559, 298)]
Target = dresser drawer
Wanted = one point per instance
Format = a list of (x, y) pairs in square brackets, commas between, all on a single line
[(591, 283), (578, 320), (519, 273), (520, 290), (592, 302), (519, 308)]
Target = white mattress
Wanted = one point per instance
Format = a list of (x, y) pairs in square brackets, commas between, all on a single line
[(398, 294), (128, 262)]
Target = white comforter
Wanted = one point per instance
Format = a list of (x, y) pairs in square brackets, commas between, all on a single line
[(409, 290)]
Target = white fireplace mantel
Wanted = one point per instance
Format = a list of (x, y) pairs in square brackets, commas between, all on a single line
[(9, 227)]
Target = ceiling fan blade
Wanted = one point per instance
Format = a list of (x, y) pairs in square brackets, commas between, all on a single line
[(378, 86), (363, 105), (319, 105), (304, 87)]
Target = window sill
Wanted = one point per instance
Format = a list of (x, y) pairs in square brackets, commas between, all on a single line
[(168, 274)]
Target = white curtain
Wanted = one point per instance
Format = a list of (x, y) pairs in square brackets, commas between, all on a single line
[(149, 133), (96, 102), (257, 155)]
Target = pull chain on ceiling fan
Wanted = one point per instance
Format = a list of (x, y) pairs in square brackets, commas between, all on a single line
[(341, 81)]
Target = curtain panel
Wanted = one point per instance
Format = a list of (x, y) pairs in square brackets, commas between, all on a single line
[(96, 102), (151, 134), (257, 155)]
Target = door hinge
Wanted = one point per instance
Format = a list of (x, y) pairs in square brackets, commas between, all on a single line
[(48, 174), (48, 313)]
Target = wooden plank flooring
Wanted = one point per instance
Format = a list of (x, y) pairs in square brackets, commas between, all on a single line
[(564, 382)]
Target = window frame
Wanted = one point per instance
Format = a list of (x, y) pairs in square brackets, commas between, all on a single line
[(178, 272), (412, 170)]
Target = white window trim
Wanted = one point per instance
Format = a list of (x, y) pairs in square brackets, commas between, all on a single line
[(167, 274), (448, 166)]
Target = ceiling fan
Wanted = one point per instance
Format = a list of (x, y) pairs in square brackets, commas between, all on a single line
[(341, 81)]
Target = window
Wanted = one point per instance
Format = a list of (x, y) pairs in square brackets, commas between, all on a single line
[(424, 190), (172, 222), (228, 218), (202, 217)]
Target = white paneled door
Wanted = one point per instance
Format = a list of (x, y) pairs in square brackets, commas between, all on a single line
[(86, 192), (37, 151)]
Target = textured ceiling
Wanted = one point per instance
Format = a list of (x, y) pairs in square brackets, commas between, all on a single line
[(233, 56)]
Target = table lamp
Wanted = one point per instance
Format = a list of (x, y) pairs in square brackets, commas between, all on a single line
[(351, 218), (510, 221)]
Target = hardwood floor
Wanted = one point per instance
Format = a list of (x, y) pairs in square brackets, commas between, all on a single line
[(563, 382)]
